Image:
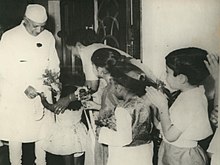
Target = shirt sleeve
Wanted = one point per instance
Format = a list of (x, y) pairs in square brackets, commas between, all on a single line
[(123, 135), (85, 54)]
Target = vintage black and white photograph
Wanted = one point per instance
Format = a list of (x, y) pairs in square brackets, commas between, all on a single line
[(109, 82)]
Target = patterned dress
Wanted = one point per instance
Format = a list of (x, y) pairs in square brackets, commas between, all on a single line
[(130, 143)]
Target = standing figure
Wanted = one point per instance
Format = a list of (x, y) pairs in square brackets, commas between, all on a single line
[(27, 51), (127, 131), (68, 135), (186, 122), (214, 146), (83, 43), (100, 62)]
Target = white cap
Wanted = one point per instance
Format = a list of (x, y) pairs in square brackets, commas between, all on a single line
[(36, 13)]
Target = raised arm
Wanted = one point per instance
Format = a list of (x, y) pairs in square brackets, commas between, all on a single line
[(170, 132), (213, 66)]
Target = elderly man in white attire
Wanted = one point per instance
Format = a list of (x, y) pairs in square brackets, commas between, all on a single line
[(26, 52)]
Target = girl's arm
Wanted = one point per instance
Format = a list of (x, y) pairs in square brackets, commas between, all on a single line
[(213, 67), (93, 85), (156, 116), (170, 132)]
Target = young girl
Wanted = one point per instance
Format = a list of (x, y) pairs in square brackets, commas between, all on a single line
[(127, 131), (214, 147), (68, 134), (186, 122), (100, 59), (103, 60)]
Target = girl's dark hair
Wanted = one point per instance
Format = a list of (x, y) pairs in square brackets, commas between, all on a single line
[(119, 66), (131, 77), (107, 58), (84, 36), (189, 62)]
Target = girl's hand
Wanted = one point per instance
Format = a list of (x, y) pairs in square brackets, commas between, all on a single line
[(214, 117), (213, 65), (157, 98)]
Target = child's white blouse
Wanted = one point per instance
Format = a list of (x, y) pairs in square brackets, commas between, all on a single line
[(189, 114)]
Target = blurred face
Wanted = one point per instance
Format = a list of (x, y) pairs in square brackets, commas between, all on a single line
[(172, 80), (118, 90), (99, 71), (34, 28)]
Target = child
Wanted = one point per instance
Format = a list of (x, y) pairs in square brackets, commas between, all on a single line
[(214, 147), (68, 134), (186, 122), (128, 131)]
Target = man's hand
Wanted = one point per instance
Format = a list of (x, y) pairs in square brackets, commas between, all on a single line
[(61, 105)]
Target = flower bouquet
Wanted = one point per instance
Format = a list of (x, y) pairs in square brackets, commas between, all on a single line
[(108, 120), (83, 93), (51, 79)]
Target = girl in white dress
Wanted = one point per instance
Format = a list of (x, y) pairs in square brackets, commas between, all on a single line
[(127, 130), (67, 136)]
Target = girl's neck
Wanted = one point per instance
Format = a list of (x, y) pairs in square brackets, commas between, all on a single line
[(187, 87), (127, 96)]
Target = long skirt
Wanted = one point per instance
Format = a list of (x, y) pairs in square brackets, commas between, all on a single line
[(172, 155), (101, 154)]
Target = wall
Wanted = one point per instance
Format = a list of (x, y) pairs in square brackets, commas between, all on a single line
[(11, 13), (171, 24), (54, 23)]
